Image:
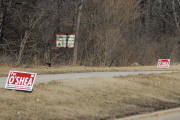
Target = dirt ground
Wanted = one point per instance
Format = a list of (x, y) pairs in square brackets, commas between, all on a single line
[(92, 98)]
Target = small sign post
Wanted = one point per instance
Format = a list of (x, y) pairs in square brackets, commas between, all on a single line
[(64, 41), (20, 81), (163, 63)]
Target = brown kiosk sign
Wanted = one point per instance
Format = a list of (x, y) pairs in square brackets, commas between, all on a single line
[(64, 40)]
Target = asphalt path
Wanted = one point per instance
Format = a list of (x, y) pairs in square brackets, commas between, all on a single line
[(50, 77), (172, 114)]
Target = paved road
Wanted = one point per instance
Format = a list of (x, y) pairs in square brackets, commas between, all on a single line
[(49, 77), (173, 114)]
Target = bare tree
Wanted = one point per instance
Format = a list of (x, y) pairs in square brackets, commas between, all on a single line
[(79, 12), (108, 32)]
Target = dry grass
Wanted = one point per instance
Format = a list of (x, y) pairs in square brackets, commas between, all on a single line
[(4, 69), (92, 98)]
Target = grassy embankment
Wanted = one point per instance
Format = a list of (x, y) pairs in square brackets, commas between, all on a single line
[(92, 98)]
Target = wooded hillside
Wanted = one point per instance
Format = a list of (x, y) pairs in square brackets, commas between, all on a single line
[(111, 32)]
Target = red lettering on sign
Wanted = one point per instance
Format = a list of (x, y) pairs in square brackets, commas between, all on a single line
[(20, 80), (163, 63)]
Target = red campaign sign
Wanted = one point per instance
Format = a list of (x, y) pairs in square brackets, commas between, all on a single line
[(163, 63), (20, 80)]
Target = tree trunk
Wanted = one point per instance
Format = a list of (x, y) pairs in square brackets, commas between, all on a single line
[(175, 14), (3, 13), (22, 46), (76, 45)]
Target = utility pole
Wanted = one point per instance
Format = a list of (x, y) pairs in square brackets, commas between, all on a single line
[(79, 12)]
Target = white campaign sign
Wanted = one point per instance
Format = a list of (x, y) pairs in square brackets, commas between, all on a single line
[(163, 63), (20, 80)]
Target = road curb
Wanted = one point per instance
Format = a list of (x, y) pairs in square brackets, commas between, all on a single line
[(154, 115)]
